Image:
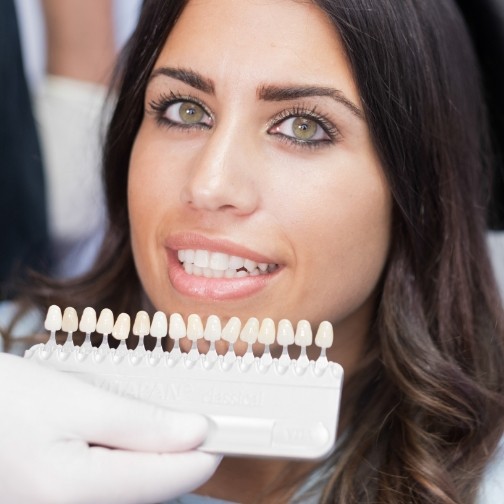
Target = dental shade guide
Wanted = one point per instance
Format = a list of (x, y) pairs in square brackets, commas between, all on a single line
[(256, 406)]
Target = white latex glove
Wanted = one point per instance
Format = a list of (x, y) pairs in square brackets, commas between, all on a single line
[(64, 441)]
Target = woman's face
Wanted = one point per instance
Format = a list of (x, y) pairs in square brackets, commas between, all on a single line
[(254, 188)]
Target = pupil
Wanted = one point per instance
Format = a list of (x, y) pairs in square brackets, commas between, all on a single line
[(190, 113), (303, 128)]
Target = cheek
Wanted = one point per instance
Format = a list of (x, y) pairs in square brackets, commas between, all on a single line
[(148, 186), (151, 183), (341, 226)]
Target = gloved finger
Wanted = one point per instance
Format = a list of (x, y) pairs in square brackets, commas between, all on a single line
[(108, 420), (121, 477)]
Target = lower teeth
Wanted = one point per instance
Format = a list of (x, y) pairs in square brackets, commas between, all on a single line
[(191, 269)]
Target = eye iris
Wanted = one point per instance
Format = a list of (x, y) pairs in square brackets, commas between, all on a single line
[(191, 113), (304, 128)]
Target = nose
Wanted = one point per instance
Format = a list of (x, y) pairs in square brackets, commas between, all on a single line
[(222, 176)]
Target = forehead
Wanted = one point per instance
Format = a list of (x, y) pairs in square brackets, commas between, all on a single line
[(259, 40)]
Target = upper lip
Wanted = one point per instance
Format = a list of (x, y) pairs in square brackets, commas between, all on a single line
[(182, 241)]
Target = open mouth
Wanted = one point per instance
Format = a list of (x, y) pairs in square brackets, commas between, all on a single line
[(199, 262)]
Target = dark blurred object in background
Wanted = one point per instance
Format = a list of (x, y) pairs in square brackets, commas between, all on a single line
[(24, 236), (485, 19)]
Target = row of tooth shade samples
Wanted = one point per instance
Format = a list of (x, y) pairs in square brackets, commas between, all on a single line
[(251, 332)]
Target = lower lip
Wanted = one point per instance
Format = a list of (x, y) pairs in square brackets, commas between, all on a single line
[(214, 288)]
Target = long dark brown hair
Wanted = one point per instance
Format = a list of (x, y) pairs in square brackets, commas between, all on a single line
[(428, 403)]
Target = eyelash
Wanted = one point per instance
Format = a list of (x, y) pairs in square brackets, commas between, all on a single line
[(307, 113), (159, 106)]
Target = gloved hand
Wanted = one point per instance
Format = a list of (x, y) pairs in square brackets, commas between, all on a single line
[(64, 441)]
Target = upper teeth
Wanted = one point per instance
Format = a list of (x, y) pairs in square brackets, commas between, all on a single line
[(218, 264)]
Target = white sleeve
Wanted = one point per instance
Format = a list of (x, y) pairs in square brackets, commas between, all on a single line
[(492, 487)]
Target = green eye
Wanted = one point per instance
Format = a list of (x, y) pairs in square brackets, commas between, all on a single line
[(191, 113), (301, 129), (304, 128)]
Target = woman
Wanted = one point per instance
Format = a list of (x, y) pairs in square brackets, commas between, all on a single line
[(342, 145)]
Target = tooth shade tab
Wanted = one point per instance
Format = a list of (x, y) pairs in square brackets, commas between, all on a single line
[(213, 328), (250, 331), (285, 333), (177, 329), (54, 319), (88, 320), (105, 323), (267, 332), (195, 329), (325, 335), (159, 325), (141, 327), (70, 321), (304, 336), (122, 327), (231, 330)]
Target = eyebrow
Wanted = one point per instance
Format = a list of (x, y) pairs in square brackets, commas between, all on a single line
[(265, 92), (189, 77), (280, 93)]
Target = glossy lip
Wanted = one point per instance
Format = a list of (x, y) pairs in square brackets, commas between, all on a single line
[(214, 288)]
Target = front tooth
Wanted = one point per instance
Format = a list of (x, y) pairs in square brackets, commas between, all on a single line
[(325, 335), (230, 273), (208, 272), (231, 330), (88, 321), (285, 333), (249, 265), (194, 327), (188, 268), (53, 319), (267, 332), (105, 322), (189, 255), (177, 327), (159, 325), (304, 336), (70, 320), (219, 261), (236, 262), (121, 327), (213, 328), (141, 327), (197, 271), (202, 258), (250, 331)]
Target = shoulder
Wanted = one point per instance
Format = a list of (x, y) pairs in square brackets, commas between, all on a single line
[(492, 487), (21, 334), (197, 499)]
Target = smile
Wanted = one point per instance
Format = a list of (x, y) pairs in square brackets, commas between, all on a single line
[(200, 262)]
